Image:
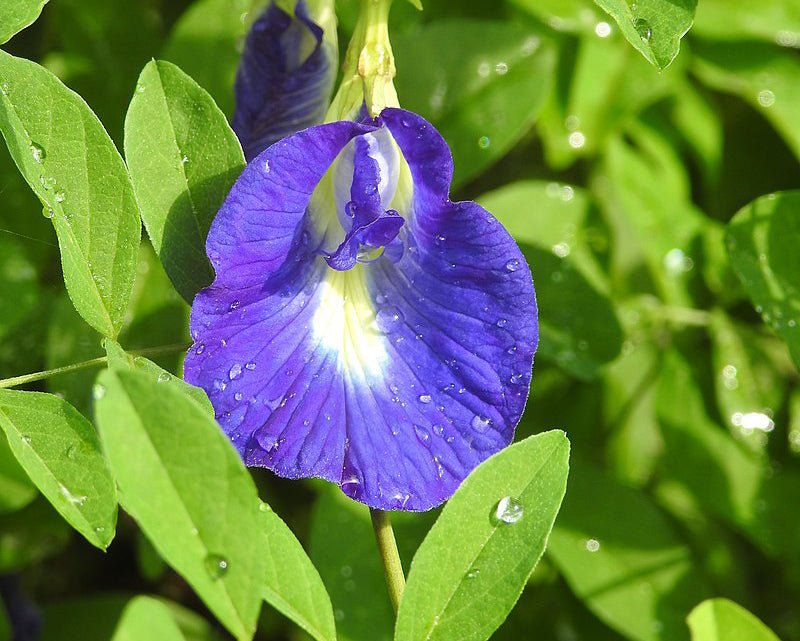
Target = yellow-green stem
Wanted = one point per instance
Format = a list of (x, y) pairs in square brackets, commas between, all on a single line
[(93, 362), (387, 548)]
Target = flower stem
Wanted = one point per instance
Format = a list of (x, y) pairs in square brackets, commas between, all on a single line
[(93, 362), (387, 548)]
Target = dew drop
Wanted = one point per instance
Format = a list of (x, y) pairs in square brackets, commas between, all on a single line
[(200, 349), (592, 545), (234, 305), (508, 510), (484, 142), (250, 366), (26, 439), (512, 265), (422, 434), (59, 196), (516, 379), (502, 322), (48, 213), (389, 319), (48, 182), (98, 391), (164, 377), (216, 566), (643, 29), (350, 209), (38, 153), (235, 371), (264, 507), (474, 573), (425, 398), (766, 98), (480, 423)]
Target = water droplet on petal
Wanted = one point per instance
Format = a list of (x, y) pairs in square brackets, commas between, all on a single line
[(508, 510), (234, 305), (480, 423), (216, 566), (512, 265), (502, 322), (389, 319), (235, 371), (422, 434), (425, 398), (350, 209), (250, 366)]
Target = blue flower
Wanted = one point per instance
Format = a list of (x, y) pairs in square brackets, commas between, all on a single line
[(285, 77), (362, 327)]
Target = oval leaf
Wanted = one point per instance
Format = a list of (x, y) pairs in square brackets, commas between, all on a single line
[(724, 620), (146, 618), (621, 556), (73, 167), (187, 487), (653, 27), (183, 158), (500, 518), (762, 245), (482, 96), (15, 15), (60, 452)]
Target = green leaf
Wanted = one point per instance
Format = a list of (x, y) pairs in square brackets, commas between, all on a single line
[(649, 203), (762, 244), (95, 618), (16, 490), (15, 15), (292, 584), (100, 47), (621, 556), (30, 535), (775, 21), (745, 379), (120, 360), (555, 237), (71, 164), (60, 452), (764, 75), (473, 565), (204, 43), (573, 16), (183, 158), (724, 620), (204, 518), (481, 83), (183, 482), (653, 27), (146, 618)]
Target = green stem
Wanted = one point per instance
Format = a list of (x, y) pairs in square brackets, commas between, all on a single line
[(387, 548), (93, 362)]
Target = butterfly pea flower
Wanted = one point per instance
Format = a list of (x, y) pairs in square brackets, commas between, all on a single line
[(363, 327)]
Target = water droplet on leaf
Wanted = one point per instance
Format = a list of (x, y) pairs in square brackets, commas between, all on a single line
[(643, 29), (508, 510), (216, 566)]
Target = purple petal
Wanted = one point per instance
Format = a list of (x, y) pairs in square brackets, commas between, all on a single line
[(393, 379), (280, 87)]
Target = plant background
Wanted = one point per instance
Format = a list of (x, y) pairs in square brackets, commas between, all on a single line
[(619, 181)]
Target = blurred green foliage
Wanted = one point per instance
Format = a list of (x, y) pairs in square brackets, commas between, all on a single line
[(670, 340)]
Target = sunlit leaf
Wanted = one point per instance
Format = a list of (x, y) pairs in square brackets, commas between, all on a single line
[(724, 620), (15, 15), (73, 167), (500, 517)]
